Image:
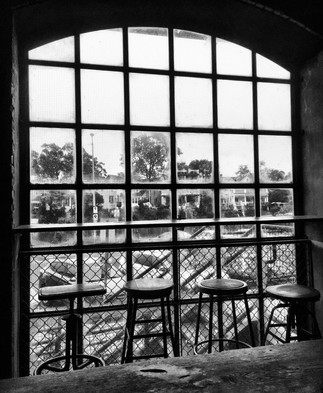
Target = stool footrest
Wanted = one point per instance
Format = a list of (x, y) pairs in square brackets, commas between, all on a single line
[(150, 335), (148, 320)]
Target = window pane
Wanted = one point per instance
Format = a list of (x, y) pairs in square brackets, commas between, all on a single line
[(236, 158), (104, 205), (276, 202), (275, 159), (104, 236), (52, 206), (102, 47), (195, 203), (193, 102), (53, 239), (52, 155), (268, 69), (102, 97), (149, 100), (232, 59), (150, 157), (51, 94), (235, 104), (277, 230), (198, 232), (237, 202), (148, 204), (274, 106), (192, 51), (148, 47), (60, 50), (152, 234), (103, 156), (241, 231), (194, 156)]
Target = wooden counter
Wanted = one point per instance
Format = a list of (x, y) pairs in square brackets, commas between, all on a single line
[(296, 367)]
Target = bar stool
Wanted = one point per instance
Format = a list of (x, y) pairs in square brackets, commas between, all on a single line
[(222, 288), (143, 289), (70, 292), (294, 298)]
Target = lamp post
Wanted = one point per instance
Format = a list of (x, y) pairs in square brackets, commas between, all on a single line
[(95, 209)]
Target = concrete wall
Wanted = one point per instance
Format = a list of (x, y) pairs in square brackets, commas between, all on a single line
[(312, 149)]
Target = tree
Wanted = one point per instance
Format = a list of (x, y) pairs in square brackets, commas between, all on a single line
[(242, 172), (54, 162), (99, 170), (203, 166), (150, 156), (276, 175)]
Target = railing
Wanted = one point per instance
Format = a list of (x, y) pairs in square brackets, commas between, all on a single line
[(185, 260)]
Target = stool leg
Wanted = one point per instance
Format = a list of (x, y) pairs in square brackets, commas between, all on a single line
[(290, 321), (197, 330), (235, 322), (210, 324), (220, 323), (164, 327), (252, 337), (133, 313), (171, 328)]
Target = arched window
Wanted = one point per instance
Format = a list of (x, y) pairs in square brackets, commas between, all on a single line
[(150, 123)]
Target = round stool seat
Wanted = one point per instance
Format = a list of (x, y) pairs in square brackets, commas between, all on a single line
[(149, 288), (294, 292), (222, 286)]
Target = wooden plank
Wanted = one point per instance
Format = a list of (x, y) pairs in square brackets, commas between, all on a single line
[(296, 367)]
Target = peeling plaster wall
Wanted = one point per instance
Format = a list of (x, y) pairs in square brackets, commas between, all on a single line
[(312, 125)]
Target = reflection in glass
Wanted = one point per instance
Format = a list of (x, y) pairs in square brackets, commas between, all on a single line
[(195, 203), (194, 156), (151, 204), (236, 158), (53, 239), (232, 59), (276, 202), (104, 236), (192, 51), (150, 157), (238, 231), (157, 234), (52, 206), (60, 50), (102, 97), (51, 94), (52, 155), (199, 232), (237, 202), (193, 102), (148, 47), (274, 106), (277, 230), (102, 47), (275, 159), (103, 156), (268, 69), (235, 104), (149, 99)]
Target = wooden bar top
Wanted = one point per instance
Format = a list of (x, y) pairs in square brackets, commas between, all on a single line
[(295, 367)]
